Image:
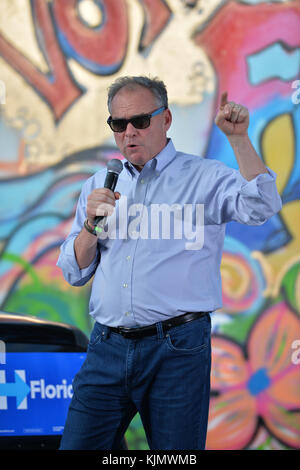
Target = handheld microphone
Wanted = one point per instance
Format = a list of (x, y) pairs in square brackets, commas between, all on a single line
[(114, 168)]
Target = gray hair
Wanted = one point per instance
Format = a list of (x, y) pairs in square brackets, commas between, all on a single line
[(156, 86)]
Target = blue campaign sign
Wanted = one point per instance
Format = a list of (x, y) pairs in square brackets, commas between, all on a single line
[(35, 391)]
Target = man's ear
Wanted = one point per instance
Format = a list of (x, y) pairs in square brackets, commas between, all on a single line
[(167, 119)]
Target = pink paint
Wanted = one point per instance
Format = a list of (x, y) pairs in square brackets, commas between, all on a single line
[(241, 30)]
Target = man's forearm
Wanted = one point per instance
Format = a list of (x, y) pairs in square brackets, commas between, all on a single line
[(250, 164), (85, 247)]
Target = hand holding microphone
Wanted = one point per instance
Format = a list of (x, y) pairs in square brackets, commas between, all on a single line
[(101, 201)]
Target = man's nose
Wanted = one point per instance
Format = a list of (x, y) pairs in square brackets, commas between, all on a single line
[(130, 129)]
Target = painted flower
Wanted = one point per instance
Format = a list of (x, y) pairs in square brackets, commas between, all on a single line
[(243, 282), (260, 384)]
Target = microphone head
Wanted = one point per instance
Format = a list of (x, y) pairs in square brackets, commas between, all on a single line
[(115, 166)]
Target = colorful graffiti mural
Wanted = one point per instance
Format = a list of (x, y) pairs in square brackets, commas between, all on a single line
[(57, 59)]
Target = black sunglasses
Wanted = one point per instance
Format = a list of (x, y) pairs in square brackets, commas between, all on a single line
[(142, 121)]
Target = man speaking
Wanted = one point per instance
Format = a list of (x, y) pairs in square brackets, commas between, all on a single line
[(153, 288)]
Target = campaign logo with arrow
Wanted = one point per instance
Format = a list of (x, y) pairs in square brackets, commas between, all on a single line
[(18, 389)]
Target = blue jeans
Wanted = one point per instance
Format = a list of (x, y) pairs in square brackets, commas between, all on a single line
[(164, 377)]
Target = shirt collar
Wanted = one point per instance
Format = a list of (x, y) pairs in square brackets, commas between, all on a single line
[(158, 163)]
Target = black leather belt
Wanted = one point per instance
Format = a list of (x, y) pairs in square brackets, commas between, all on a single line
[(135, 333)]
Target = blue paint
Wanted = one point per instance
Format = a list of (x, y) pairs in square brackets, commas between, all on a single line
[(273, 234), (96, 68), (273, 62), (259, 382)]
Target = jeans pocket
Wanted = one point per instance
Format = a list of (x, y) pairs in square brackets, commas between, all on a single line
[(190, 338), (96, 335)]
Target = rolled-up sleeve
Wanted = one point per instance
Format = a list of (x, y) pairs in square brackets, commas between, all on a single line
[(261, 197), (236, 199), (67, 259)]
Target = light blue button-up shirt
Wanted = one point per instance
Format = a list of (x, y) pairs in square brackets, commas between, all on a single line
[(160, 252)]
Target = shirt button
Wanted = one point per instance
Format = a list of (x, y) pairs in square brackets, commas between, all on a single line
[(142, 181), (127, 313), (128, 257), (125, 285)]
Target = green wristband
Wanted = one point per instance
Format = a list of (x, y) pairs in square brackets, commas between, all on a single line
[(88, 228)]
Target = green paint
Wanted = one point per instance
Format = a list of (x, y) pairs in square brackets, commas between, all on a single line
[(238, 327), (289, 285), (28, 268), (51, 303)]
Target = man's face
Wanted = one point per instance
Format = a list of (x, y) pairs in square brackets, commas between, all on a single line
[(140, 145)]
